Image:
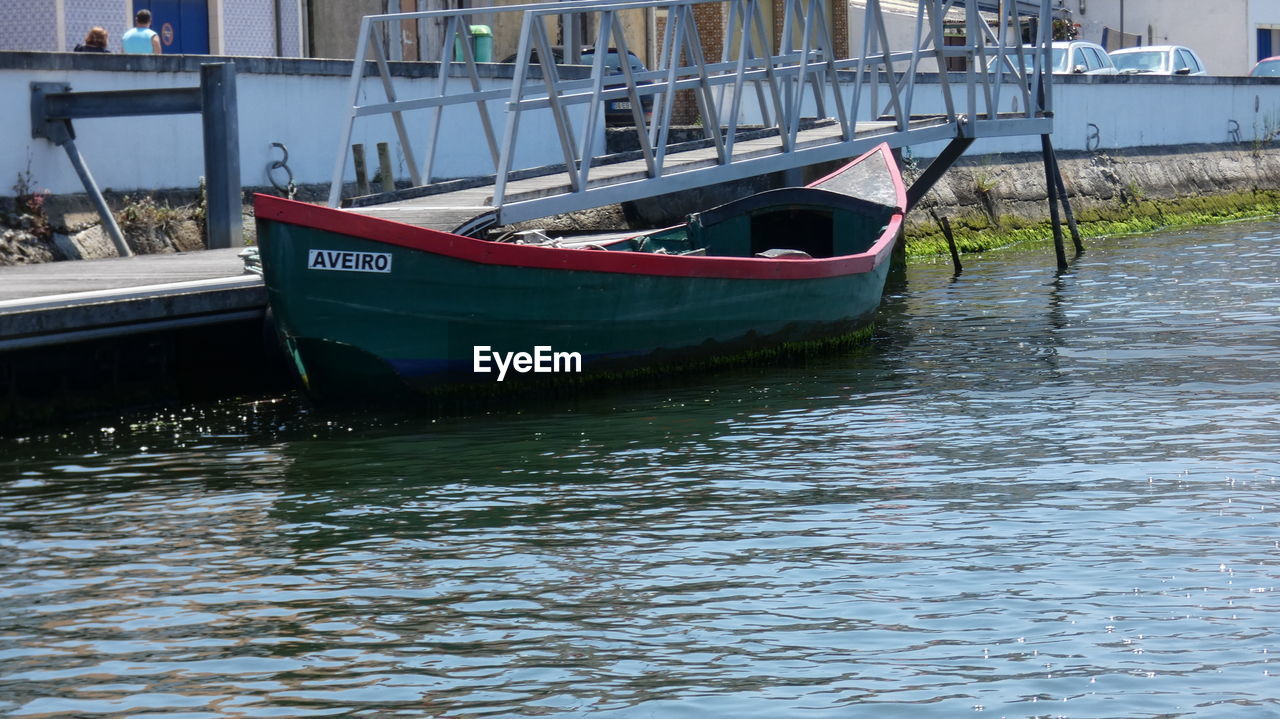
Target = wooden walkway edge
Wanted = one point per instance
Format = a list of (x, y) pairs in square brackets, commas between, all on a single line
[(61, 302)]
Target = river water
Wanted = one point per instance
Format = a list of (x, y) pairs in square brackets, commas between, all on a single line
[(1030, 496)]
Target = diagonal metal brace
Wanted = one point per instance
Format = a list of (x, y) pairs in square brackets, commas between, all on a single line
[(936, 169), (58, 130)]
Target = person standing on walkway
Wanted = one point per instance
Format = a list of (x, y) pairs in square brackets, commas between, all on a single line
[(141, 40)]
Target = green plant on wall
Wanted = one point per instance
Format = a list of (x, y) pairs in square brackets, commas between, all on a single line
[(1264, 134), (1132, 194), (1065, 30), (984, 186), (29, 202)]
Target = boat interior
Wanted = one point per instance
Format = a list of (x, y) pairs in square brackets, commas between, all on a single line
[(794, 222)]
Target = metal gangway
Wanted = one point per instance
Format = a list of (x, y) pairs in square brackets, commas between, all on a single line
[(811, 105)]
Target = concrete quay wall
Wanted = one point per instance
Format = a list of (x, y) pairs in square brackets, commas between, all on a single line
[(993, 199), (1015, 182), (1097, 112), (302, 104)]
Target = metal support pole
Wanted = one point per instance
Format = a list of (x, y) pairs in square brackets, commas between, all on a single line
[(1066, 203), (947, 232), (221, 121), (100, 203), (936, 169), (1122, 42), (1058, 249)]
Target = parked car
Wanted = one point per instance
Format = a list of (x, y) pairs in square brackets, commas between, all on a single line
[(1269, 67), (618, 110), (1158, 60), (1067, 58), (1081, 58)]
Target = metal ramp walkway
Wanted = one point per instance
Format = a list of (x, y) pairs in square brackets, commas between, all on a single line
[(859, 102)]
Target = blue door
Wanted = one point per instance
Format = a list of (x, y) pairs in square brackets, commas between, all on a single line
[(183, 25)]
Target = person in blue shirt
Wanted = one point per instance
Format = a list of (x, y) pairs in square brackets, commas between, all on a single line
[(141, 40)]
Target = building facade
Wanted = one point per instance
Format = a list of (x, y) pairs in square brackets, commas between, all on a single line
[(334, 24), (1230, 35), (269, 28)]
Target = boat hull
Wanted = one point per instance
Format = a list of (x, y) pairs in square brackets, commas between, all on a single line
[(359, 333), (371, 309)]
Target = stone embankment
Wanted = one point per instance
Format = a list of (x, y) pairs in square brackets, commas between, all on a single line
[(48, 228), (994, 200)]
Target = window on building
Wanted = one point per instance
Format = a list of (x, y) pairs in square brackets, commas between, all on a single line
[(1268, 42)]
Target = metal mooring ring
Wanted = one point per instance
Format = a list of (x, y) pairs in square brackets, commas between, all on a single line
[(282, 164)]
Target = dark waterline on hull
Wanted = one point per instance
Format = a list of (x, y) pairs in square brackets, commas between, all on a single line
[(1028, 496)]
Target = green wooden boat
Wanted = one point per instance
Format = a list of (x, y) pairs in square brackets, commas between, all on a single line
[(372, 309)]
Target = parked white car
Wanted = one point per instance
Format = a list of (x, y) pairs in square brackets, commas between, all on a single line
[(1158, 60), (1068, 58), (1081, 58)]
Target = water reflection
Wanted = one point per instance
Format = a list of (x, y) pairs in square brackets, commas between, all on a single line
[(1030, 497)]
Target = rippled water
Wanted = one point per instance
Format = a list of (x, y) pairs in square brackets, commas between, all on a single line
[(1030, 497)]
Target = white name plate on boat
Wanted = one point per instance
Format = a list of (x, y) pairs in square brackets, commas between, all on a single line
[(349, 261)]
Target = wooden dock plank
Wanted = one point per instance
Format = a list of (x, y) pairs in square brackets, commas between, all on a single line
[(23, 282), (65, 302)]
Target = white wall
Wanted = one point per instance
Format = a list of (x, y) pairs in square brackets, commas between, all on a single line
[(1127, 111), (305, 112), (900, 28), (1153, 112)]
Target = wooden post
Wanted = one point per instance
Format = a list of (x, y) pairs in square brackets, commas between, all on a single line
[(1059, 251), (951, 240), (384, 168), (362, 174)]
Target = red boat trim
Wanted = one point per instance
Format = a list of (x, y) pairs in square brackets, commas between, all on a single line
[(376, 229)]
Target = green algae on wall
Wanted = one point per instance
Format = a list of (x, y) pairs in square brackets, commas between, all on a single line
[(975, 231)]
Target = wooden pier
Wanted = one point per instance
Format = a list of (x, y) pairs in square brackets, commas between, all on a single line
[(61, 302), (90, 336)]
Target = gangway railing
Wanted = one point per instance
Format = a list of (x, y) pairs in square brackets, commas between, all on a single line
[(871, 97)]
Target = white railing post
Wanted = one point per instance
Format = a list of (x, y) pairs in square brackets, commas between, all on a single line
[(1045, 33), (353, 99), (512, 126), (397, 116)]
